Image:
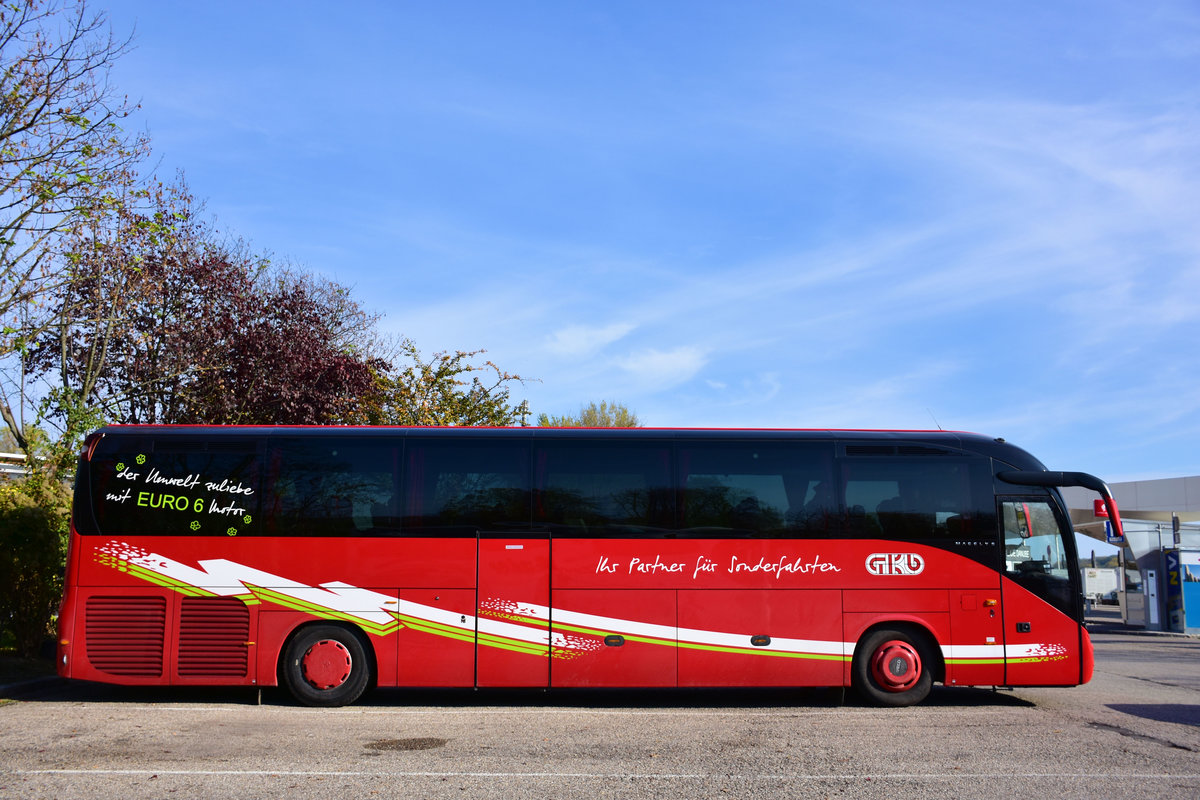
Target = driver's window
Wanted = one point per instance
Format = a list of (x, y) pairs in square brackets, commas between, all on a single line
[(1035, 554)]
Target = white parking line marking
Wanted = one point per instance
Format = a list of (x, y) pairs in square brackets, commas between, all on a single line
[(957, 775)]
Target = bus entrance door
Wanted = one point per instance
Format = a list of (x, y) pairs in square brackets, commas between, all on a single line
[(1041, 640), (512, 636)]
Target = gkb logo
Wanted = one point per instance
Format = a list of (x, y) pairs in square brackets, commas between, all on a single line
[(895, 564)]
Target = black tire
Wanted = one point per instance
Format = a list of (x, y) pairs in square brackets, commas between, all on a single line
[(325, 665), (893, 668)]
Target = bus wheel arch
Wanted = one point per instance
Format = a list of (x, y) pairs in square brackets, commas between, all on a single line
[(327, 664), (896, 663)]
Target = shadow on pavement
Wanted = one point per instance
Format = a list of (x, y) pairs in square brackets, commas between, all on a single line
[(766, 698), (1161, 712)]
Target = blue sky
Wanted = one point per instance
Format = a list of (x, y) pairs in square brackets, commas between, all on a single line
[(975, 216)]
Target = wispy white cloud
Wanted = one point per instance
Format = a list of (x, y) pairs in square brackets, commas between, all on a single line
[(575, 341), (657, 370)]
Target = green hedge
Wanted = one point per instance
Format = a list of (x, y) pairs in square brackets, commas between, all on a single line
[(33, 527)]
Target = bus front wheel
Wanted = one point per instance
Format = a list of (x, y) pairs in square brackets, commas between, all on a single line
[(892, 668), (326, 665)]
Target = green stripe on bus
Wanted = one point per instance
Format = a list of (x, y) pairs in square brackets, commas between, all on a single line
[(169, 583), (324, 612)]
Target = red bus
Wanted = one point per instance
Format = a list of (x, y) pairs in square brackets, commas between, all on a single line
[(330, 560)]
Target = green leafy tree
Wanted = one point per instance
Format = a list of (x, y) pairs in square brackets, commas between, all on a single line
[(93, 310), (604, 415), (63, 158), (445, 389)]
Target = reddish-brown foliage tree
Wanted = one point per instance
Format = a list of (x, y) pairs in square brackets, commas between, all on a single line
[(164, 323)]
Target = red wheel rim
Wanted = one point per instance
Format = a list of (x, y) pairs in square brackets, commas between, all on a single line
[(327, 664), (896, 666)]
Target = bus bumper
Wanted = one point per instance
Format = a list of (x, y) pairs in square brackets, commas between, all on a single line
[(66, 631), (1087, 656)]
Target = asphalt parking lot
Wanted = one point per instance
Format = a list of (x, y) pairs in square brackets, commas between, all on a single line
[(1133, 731)]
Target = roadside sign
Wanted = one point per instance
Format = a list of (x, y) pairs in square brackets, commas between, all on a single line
[(1174, 592)]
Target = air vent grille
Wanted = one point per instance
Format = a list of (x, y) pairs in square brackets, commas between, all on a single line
[(895, 450), (213, 632), (125, 635)]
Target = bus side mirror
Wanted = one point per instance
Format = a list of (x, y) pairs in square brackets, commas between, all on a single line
[(1106, 508)]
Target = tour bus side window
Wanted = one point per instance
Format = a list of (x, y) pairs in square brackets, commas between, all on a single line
[(770, 489), (589, 488), (181, 485), (944, 500), (458, 487), (333, 486)]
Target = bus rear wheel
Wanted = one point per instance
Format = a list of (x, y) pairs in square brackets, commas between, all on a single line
[(892, 668), (326, 665)]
